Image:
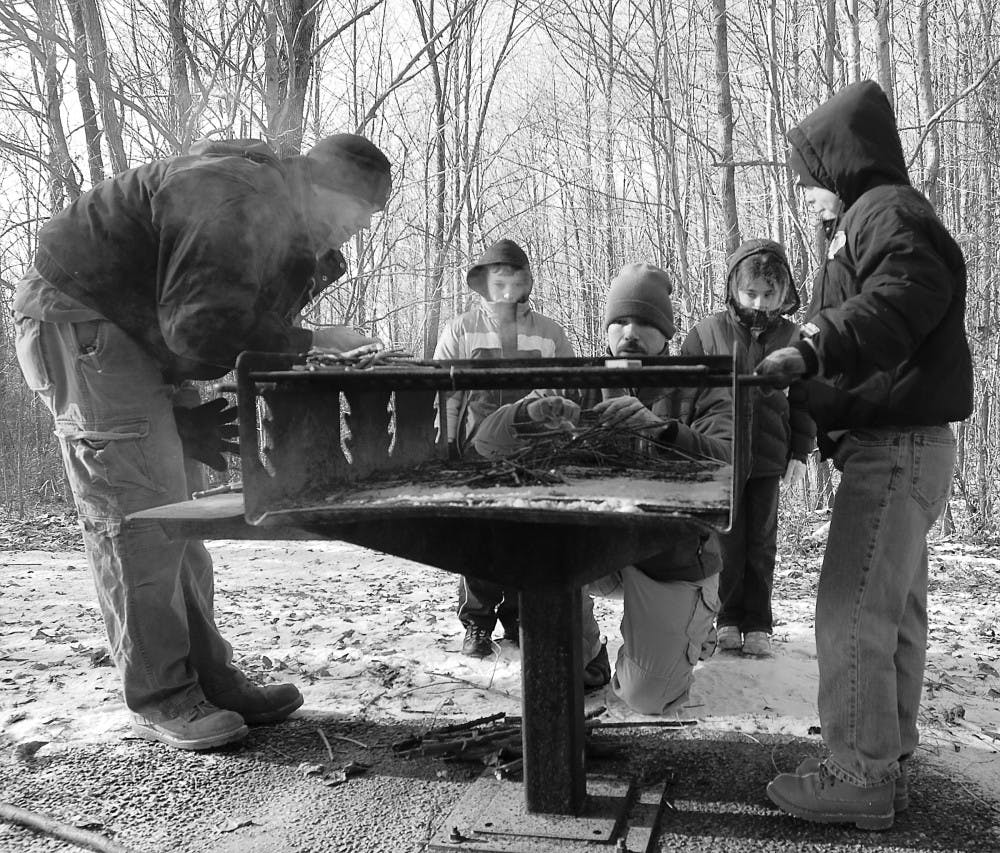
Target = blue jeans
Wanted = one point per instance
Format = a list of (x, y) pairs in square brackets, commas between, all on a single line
[(871, 606), (114, 420)]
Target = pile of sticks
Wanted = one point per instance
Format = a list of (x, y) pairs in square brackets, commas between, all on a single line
[(494, 741)]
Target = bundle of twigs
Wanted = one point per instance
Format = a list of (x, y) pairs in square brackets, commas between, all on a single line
[(590, 447), (494, 741), (361, 358)]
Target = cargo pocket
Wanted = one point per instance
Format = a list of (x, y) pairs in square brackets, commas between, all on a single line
[(31, 354), (108, 461), (701, 632)]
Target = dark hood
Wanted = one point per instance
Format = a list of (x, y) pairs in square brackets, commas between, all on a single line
[(790, 302), (850, 143), (501, 252)]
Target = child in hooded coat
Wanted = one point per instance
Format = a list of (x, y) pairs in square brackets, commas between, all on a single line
[(778, 435), (501, 325)]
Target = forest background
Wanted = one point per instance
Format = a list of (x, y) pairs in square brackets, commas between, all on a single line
[(593, 132)]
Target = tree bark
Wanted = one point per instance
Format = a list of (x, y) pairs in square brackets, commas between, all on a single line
[(102, 80), (727, 188), (62, 171), (932, 143), (180, 85), (91, 128)]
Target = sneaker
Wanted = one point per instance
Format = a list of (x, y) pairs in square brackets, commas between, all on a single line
[(477, 642), (270, 703), (730, 639), (821, 797), (203, 726), (597, 673), (901, 794), (757, 644)]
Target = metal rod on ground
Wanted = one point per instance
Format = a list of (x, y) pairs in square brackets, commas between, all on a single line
[(51, 826)]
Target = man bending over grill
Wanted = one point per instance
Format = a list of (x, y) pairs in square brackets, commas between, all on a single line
[(155, 277), (670, 600)]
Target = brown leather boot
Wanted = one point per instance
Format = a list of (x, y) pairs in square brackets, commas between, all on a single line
[(202, 726), (900, 797), (259, 704), (823, 798)]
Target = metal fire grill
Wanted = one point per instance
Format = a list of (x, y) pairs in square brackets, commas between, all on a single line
[(343, 444), (355, 454)]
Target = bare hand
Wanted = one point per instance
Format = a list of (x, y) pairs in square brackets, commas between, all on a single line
[(344, 339), (627, 412), (556, 412)]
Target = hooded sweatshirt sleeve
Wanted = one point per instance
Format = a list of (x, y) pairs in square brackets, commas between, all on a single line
[(234, 261)]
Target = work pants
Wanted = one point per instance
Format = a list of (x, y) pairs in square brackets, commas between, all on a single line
[(114, 420), (667, 627)]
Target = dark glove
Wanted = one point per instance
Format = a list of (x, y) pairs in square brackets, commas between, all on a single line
[(204, 430)]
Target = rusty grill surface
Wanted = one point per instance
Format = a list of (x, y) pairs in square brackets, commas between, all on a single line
[(344, 444)]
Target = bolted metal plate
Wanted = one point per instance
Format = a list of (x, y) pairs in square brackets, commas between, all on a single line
[(491, 818)]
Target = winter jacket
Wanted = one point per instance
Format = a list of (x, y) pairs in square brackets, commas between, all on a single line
[(704, 427), (888, 307), (777, 427), (480, 334), (197, 257)]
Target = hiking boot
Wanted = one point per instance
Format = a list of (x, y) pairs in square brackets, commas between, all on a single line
[(757, 644), (270, 703), (597, 673), (900, 797), (730, 638), (477, 642), (821, 797), (203, 726)]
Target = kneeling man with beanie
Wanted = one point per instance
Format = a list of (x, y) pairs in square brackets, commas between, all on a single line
[(671, 599)]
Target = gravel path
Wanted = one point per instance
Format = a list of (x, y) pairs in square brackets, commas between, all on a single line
[(257, 798)]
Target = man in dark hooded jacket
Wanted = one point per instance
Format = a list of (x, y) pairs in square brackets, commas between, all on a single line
[(159, 275), (889, 368), (778, 433)]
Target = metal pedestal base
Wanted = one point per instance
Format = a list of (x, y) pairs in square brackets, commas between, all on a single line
[(491, 817)]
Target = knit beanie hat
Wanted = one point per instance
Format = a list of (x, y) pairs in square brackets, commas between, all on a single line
[(351, 164), (641, 291), (501, 252)]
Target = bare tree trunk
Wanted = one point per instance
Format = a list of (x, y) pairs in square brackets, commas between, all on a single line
[(932, 166), (434, 261), (677, 217), (63, 180), (91, 128), (180, 85), (102, 79), (883, 9), (855, 44), (830, 46), (727, 188), (288, 62)]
